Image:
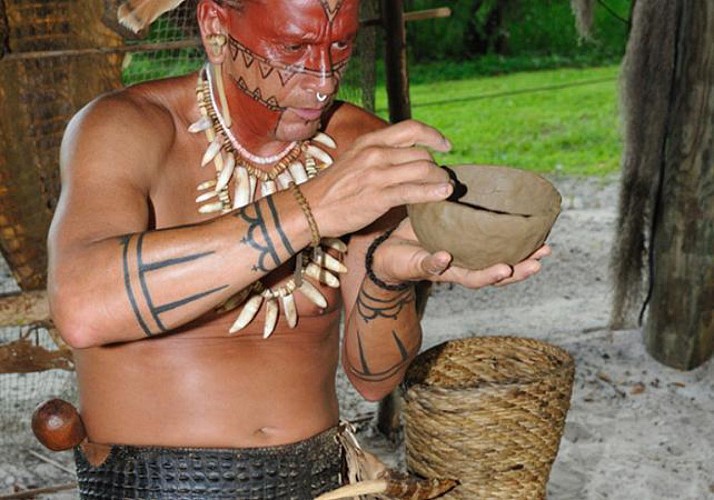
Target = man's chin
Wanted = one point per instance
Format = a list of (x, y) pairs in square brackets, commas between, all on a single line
[(297, 130)]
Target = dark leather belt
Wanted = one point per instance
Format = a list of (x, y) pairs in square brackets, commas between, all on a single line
[(299, 471)]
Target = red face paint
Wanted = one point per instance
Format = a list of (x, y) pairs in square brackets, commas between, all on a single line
[(283, 53)]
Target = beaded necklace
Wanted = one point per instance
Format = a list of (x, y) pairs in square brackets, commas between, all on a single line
[(297, 163)]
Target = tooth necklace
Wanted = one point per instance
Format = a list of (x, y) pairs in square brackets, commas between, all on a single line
[(297, 163)]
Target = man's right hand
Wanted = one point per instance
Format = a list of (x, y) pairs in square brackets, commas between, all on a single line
[(381, 170)]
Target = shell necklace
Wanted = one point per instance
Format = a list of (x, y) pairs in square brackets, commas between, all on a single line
[(297, 163)]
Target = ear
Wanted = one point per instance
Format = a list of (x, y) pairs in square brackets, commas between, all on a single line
[(212, 20)]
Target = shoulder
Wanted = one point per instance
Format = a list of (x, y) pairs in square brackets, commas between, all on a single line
[(129, 130), (347, 122), (127, 114)]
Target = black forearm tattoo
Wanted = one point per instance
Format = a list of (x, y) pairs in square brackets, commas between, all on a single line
[(258, 234), (370, 307), (135, 272), (364, 372)]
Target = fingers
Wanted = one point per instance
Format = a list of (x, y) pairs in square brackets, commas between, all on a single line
[(543, 251), (521, 271), (496, 275), (527, 268), (435, 264), (417, 172), (407, 134)]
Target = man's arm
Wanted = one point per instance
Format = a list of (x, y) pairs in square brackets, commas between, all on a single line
[(112, 279), (382, 330), (382, 333)]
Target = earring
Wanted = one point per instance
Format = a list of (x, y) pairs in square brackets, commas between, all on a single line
[(217, 41)]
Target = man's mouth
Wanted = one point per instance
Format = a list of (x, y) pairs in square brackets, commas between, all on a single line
[(308, 114)]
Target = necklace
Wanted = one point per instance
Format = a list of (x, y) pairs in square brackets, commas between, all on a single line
[(297, 163)]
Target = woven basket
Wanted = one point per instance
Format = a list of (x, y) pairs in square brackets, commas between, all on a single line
[(490, 412)]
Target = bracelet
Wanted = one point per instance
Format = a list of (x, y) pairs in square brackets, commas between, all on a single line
[(368, 265), (302, 201)]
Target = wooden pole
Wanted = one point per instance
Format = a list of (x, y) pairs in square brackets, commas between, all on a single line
[(395, 59), (679, 330), (38, 491), (397, 70)]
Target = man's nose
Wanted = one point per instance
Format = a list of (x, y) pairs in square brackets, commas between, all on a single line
[(325, 78)]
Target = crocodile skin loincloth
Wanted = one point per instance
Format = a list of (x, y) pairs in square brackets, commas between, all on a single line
[(299, 471)]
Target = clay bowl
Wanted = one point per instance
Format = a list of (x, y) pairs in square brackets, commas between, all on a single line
[(496, 214)]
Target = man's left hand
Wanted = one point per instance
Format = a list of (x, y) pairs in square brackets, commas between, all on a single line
[(402, 258)]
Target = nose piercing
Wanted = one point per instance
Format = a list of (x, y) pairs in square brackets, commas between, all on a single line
[(321, 97)]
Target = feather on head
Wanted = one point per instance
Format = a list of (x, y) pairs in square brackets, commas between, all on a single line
[(138, 14)]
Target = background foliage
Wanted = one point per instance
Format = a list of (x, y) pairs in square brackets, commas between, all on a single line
[(540, 29)]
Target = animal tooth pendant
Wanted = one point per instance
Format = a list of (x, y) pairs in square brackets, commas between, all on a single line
[(250, 309), (335, 244), (297, 171), (226, 172), (319, 154), (289, 309), (284, 179), (267, 188), (271, 317), (200, 125), (206, 185), (212, 151), (242, 188), (211, 208), (313, 294), (325, 140), (206, 196), (327, 261), (322, 275)]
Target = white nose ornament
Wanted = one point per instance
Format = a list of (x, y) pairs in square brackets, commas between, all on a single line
[(321, 97)]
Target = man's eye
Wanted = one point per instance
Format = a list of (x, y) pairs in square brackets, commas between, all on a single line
[(342, 44), (294, 47)]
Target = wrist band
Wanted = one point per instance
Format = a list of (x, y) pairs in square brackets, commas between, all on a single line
[(368, 265), (302, 201)]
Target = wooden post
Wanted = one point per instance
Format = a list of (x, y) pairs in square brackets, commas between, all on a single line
[(395, 59), (679, 330), (397, 71)]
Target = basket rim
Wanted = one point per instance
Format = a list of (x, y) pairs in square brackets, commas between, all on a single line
[(566, 365)]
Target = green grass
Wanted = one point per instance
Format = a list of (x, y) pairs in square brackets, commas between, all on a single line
[(556, 121)]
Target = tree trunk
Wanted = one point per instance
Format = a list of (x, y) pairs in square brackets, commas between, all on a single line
[(679, 330)]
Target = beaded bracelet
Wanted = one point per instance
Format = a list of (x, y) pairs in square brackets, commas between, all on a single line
[(368, 265), (302, 201)]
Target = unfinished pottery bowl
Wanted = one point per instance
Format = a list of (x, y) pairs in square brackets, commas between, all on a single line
[(496, 214)]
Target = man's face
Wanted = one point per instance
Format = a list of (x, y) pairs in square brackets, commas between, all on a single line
[(282, 55)]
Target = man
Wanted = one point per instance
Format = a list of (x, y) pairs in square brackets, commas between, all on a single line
[(165, 275)]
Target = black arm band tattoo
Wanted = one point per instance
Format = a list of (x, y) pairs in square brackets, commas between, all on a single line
[(369, 258), (370, 307)]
